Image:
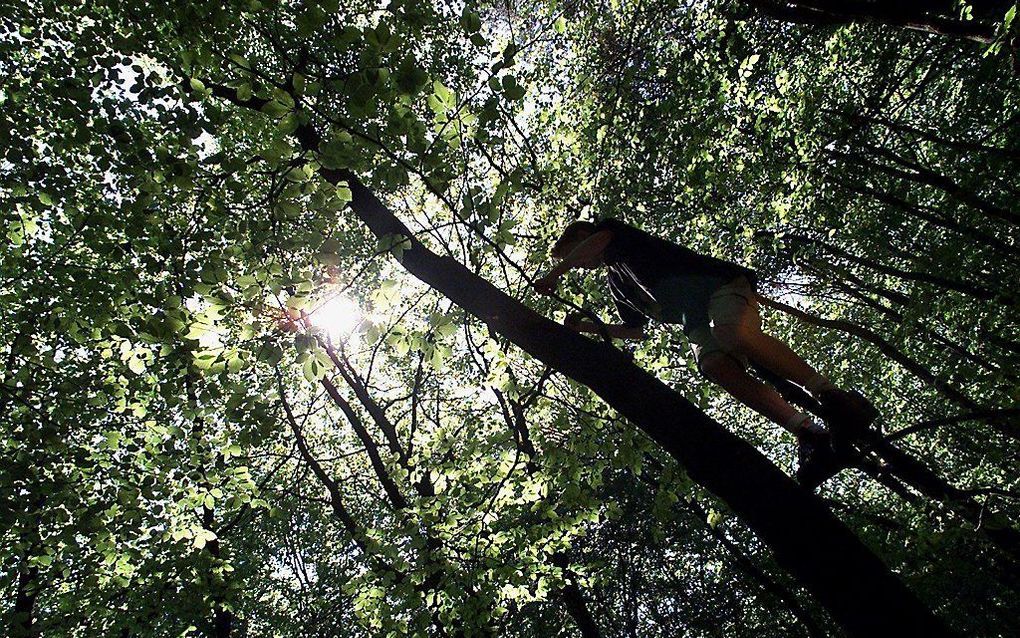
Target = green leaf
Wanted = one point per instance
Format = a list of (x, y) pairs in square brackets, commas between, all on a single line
[(287, 125), (410, 77), (271, 354), (235, 363), (395, 244), (447, 329), (312, 370), (136, 365), (470, 21), (512, 89), (274, 109), (202, 536), (332, 246)]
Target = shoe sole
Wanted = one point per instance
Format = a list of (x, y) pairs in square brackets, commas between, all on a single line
[(846, 431), (811, 475)]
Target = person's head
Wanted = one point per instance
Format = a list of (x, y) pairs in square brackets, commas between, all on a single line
[(570, 238)]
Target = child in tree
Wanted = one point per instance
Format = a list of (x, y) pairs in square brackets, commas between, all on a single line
[(716, 304)]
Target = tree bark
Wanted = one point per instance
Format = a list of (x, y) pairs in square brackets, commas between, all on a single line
[(574, 602), (1009, 154), (22, 620), (378, 465)]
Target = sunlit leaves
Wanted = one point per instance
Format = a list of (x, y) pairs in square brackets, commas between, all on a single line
[(442, 98), (165, 245)]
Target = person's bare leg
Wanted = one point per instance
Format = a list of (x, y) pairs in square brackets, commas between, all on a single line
[(852, 410), (768, 352), (724, 371)]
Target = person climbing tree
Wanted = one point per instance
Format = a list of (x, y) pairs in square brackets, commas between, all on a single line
[(716, 303)]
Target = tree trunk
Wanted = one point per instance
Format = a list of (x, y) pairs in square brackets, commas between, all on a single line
[(948, 390)]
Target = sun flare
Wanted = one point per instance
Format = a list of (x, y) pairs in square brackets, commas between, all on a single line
[(339, 317)]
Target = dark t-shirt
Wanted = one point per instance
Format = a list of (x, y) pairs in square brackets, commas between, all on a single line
[(650, 277)]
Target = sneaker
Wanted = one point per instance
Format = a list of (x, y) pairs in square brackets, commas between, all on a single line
[(848, 414), (815, 458)]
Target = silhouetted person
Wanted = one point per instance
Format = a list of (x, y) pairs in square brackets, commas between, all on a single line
[(716, 303)]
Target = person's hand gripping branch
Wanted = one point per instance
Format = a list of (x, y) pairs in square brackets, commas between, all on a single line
[(584, 254), (578, 322), (585, 251)]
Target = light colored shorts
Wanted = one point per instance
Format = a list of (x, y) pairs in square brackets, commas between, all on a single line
[(732, 304)]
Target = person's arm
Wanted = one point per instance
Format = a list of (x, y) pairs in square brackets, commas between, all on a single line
[(576, 322), (588, 250)]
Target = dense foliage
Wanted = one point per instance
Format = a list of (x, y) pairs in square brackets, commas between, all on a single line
[(228, 410)]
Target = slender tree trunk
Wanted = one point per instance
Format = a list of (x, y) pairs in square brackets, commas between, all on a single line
[(223, 618), (515, 416), (574, 601), (974, 290), (1009, 154), (913, 171), (936, 218), (846, 283), (354, 529), (22, 620), (982, 415), (767, 583), (378, 465), (373, 409)]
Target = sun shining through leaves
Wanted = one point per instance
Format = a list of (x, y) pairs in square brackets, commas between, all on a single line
[(338, 316)]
